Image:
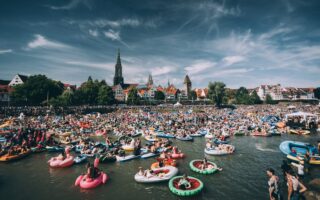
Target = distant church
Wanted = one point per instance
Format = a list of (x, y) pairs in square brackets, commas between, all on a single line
[(120, 88), (146, 91), (118, 78)]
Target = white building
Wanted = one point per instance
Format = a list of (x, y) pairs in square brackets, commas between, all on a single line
[(18, 79), (273, 90)]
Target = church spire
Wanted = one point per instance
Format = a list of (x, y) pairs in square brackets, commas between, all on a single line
[(150, 80), (118, 79)]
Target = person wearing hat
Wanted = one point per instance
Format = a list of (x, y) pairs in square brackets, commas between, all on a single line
[(300, 167)]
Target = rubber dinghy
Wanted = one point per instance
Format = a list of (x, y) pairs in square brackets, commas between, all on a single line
[(88, 183), (126, 158), (164, 135), (186, 138), (57, 163), (296, 150), (219, 152), (149, 155), (80, 159), (7, 157), (196, 186), (301, 148), (159, 175), (195, 166)]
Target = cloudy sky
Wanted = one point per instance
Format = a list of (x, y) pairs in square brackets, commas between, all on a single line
[(239, 42)]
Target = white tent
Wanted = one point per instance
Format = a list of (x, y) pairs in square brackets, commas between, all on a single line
[(291, 107), (302, 114), (178, 104)]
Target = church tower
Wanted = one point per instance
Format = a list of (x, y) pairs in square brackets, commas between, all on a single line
[(118, 79), (150, 80), (187, 85)]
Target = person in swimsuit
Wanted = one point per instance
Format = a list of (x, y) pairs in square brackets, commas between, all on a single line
[(295, 188), (273, 183)]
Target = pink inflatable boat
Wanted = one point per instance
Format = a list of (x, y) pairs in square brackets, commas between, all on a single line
[(100, 132), (57, 163), (177, 155), (89, 183)]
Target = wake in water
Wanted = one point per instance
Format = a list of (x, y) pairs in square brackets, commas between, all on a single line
[(259, 147)]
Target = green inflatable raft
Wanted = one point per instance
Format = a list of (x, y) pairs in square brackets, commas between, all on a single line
[(196, 186), (196, 165)]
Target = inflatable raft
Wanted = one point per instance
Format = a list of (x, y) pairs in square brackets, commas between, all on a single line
[(186, 138), (57, 163), (80, 159), (196, 165), (87, 183), (196, 186), (126, 158), (7, 157), (218, 152), (168, 162), (159, 175), (165, 135), (299, 132)]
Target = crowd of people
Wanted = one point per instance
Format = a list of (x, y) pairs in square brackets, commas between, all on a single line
[(37, 128)]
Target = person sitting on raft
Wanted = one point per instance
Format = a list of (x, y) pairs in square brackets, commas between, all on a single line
[(184, 184), (141, 171), (163, 155), (209, 145)]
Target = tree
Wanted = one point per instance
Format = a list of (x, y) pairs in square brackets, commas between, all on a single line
[(255, 98), (105, 95), (36, 90), (158, 95), (317, 93), (133, 97), (216, 92), (269, 99), (242, 96), (193, 95)]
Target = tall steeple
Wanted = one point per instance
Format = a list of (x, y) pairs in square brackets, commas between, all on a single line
[(150, 80), (118, 79), (187, 84)]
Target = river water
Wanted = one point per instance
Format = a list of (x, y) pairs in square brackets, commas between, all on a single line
[(243, 175)]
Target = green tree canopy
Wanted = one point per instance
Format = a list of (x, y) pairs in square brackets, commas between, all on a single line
[(255, 98), (105, 95), (269, 99), (317, 93), (36, 90), (133, 97), (216, 92), (242, 96), (193, 95), (158, 95)]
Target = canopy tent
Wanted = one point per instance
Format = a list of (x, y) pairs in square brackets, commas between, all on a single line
[(291, 107), (178, 104), (301, 114)]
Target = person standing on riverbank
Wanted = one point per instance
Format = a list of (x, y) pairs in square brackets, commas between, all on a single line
[(273, 182), (295, 187)]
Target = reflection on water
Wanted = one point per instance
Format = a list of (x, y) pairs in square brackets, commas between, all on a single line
[(243, 175)]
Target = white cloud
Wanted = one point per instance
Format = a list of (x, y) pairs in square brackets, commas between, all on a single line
[(94, 33), (157, 71), (41, 42), (230, 60), (113, 35), (71, 5), (132, 22), (3, 51), (107, 66), (200, 66)]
